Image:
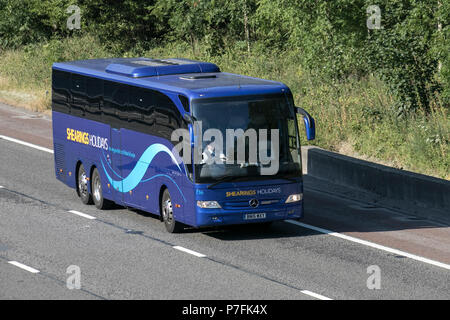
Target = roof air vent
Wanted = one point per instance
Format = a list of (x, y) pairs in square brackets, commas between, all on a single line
[(207, 76)]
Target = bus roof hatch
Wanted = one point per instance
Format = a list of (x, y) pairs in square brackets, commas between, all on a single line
[(144, 67)]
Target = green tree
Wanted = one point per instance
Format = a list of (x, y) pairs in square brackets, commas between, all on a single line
[(24, 22), (123, 25), (401, 51), (441, 49), (328, 35), (218, 23)]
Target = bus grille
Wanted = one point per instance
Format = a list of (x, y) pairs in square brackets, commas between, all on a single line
[(60, 161), (244, 204)]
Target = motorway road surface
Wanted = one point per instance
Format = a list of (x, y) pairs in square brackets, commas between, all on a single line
[(127, 254)]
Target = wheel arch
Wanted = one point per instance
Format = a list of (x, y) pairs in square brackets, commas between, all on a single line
[(77, 167), (161, 192), (91, 172)]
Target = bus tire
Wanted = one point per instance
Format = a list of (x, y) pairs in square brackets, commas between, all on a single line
[(82, 185), (97, 192), (172, 226)]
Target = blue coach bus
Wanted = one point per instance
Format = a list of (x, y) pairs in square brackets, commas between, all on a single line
[(113, 121)]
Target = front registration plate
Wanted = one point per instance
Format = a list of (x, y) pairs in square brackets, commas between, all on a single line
[(252, 216)]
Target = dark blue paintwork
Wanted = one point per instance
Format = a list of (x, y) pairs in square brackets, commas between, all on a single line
[(144, 159)]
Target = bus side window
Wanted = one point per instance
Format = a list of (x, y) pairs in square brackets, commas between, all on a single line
[(121, 102), (167, 116), (292, 134), (140, 110), (185, 102), (78, 90), (60, 91), (108, 113), (94, 89), (115, 104)]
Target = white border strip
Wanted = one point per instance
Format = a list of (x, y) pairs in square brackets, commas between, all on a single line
[(315, 295), (81, 214), (27, 144), (371, 244), (200, 255), (24, 267)]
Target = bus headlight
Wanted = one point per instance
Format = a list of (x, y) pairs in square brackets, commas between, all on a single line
[(208, 204), (294, 198)]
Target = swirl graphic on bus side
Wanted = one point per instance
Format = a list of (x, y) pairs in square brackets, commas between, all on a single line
[(137, 174)]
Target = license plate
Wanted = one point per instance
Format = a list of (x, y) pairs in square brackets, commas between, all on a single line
[(252, 216)]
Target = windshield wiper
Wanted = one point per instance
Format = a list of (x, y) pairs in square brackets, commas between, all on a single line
[(224, 179)]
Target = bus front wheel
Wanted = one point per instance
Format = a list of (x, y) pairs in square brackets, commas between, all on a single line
[(172, 226), (97, 191)]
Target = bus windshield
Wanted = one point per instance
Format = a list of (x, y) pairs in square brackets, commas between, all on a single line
[(270, 113)]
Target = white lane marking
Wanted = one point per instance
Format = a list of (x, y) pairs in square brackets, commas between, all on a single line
[(190, 251), (371, 244), (81, 214), (27, 144), (2, 187), (307, 292), (24, 267), (315, 295)]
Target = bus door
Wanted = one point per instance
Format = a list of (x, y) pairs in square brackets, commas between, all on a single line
[(130, 168), (116, 164), (134, 169)]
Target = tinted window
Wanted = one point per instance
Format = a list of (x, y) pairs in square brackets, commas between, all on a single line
[(153, 112), (167, 116), (185, 102), (78, 91), (94, 92), (119, 105), (115, 104), (141, 110), (60, 91)]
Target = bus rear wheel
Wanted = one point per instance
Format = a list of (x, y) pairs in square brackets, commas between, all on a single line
[(97, 191), (82, 186), (172, 226)]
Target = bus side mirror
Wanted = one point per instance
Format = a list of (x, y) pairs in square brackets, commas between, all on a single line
[(310, 125), (191, 134), (188, 118)]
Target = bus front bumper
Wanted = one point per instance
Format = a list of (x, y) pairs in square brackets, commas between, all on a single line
[(214, 217)]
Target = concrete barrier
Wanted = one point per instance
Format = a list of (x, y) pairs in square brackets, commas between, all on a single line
[(427, 196)]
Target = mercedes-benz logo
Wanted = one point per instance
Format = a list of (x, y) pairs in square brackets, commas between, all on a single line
[(253, 203)]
